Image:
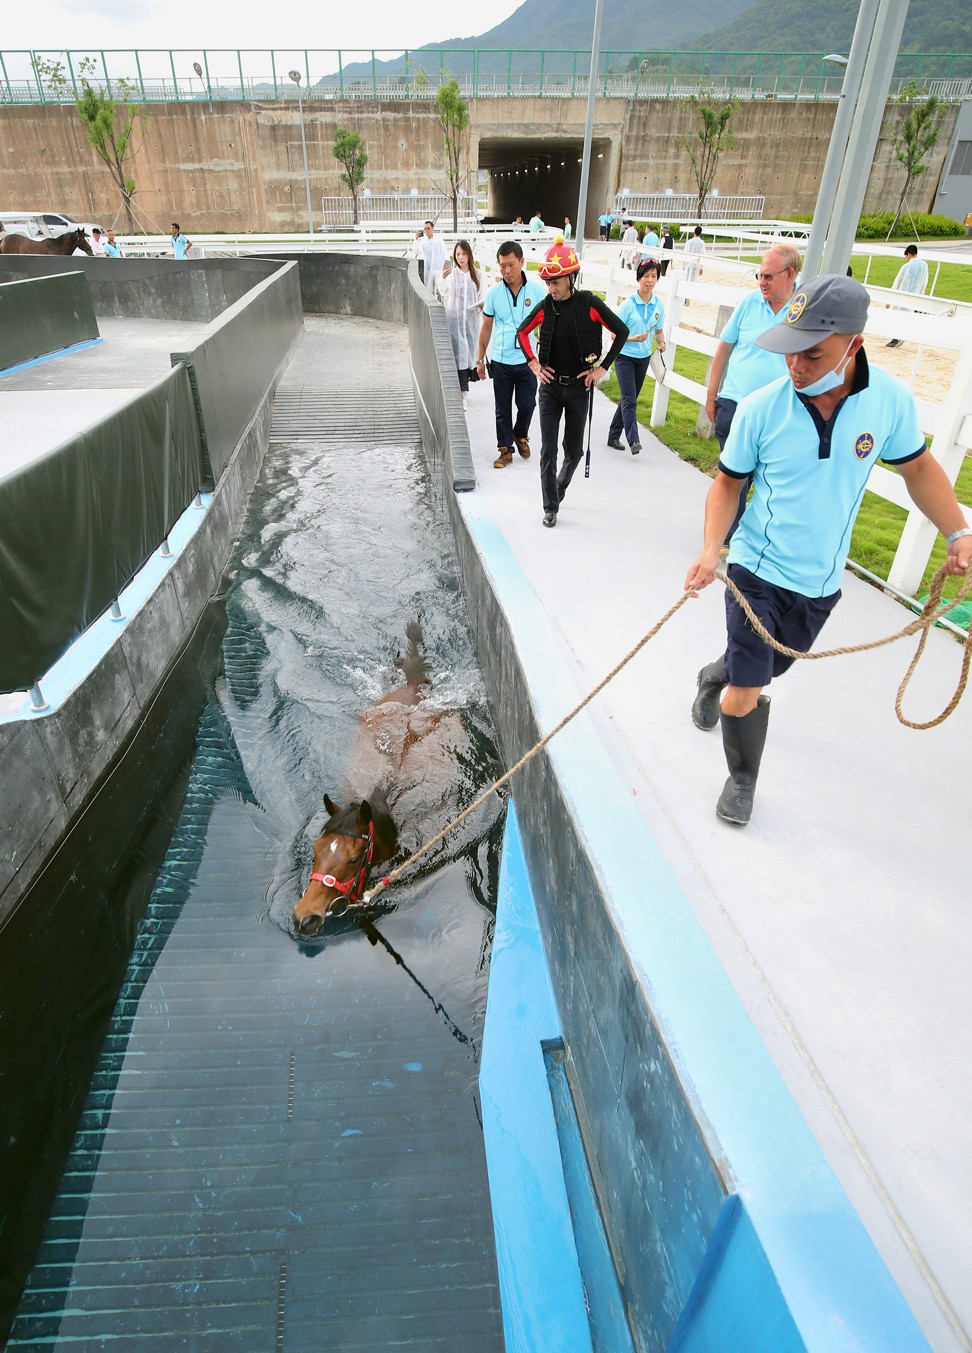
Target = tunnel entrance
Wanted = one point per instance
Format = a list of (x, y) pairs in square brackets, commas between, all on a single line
[(528, 174)]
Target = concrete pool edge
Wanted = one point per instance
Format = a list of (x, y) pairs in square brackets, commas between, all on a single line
[(789, 1228)]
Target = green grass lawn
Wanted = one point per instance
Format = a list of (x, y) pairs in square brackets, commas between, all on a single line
[(879, 523), (954, 280)]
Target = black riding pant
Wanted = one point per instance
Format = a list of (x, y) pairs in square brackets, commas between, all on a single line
[(571, 402)]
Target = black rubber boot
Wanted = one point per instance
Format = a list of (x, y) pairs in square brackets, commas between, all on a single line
[(743, 740), (712, 682)]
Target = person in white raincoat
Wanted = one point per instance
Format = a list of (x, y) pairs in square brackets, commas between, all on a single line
[(462, 291)]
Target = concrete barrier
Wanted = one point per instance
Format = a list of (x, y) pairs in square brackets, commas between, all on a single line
[(40, 315), (140, 288)]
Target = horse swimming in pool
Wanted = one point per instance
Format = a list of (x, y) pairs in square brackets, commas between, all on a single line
[(400, 744)]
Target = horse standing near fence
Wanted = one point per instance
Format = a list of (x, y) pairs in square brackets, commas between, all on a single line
[(60, 245)]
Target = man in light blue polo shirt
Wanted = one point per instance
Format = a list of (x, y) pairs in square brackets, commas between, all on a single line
[(506, 305), (740, 366), (811, 440)]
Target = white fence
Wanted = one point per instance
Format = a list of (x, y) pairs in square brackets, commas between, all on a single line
[(406, 209)]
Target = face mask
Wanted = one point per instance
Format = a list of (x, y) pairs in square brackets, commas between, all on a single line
[(831, 380)]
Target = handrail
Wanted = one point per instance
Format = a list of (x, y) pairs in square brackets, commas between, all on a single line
[(251, 74)]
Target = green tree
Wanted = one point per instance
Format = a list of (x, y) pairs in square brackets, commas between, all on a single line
[(712, 137), (349, 148), (452, 113), (914, 140), (108, 127)]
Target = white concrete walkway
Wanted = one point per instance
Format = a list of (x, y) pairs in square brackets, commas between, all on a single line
[(842, 913)]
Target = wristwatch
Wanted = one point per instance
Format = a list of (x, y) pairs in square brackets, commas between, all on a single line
[(957, 535)]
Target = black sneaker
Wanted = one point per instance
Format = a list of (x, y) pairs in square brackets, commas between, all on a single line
[(635, 448), (550, 519), (615, 443), (895, 343)]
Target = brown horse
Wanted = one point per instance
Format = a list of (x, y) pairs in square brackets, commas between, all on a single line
[(61, 244), (388, 751)]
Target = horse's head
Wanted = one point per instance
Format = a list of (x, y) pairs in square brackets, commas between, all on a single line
[(353, 838), (80, 242)]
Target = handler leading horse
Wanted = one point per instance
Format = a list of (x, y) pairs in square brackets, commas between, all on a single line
[(363, 833), (61, 244)]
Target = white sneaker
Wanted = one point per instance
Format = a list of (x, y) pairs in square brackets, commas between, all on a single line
[(465, 403)]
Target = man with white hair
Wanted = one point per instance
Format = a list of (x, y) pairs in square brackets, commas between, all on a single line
[(811, 440), (740, 366)]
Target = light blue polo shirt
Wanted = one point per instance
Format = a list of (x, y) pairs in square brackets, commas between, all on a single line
[(810, 479), (639, 316), (750, 366), (179, 244), (507, 312)]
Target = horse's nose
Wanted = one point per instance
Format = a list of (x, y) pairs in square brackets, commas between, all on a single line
[(309, 924)]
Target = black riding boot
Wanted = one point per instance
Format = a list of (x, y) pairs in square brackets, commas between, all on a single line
[(743, 740), (712, 681)]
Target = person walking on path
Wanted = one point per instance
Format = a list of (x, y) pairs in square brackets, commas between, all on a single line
[(461, 291), (97, 245), (651, 245), (568, 229), (512, 297), (431, 250), (740, 366), (811, 439), (696, 249), (629, 242), (644, 315), (536, 223), (912, 276), (110, 247), (667, 242), (568, 362), (604, 223), (180, 244), (968, 225)]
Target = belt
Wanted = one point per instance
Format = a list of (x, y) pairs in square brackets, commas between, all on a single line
[(568, 380)]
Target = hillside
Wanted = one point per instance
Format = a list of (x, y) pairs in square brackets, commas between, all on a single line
[(828, 26), (567, 25)]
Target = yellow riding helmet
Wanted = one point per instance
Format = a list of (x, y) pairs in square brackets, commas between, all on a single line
[(561, 261)]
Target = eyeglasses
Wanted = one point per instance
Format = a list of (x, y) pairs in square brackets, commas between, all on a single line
[(768, 276)]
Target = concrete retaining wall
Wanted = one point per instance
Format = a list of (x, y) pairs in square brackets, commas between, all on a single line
[(239, 166)]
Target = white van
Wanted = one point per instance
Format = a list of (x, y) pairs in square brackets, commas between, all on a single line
[(57, 222)]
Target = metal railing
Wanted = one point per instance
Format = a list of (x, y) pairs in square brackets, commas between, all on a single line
[(673, 207), (221, 75)]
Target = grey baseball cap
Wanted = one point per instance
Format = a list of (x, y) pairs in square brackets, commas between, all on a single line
[(829, 304)]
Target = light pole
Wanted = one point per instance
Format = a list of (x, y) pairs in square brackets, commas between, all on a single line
[(209, 92), (295, 76)]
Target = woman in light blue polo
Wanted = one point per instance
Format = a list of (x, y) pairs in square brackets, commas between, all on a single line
[(644, 315)]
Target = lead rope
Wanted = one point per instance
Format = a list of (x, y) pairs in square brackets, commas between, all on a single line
[(929, 615)]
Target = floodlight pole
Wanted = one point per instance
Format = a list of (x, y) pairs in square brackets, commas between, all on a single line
[(857, 124), (588, 130), (295, 76)]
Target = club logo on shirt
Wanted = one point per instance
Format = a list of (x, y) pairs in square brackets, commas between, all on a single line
[(796, 307), (864, 445), (527, 303)]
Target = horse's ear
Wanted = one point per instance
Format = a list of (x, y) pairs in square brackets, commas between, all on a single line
[(365, 814), (331, 806)]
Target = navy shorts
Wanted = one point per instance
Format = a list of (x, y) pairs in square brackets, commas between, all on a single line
[(791, 618)]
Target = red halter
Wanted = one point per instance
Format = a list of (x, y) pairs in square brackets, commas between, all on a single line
[(353, 889)]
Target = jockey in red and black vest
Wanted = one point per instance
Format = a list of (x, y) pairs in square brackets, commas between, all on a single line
[(567, 364)]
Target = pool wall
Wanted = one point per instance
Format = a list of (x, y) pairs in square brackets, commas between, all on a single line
[(52, 760)]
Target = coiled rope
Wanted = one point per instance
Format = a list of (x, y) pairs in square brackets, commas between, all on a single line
[(922, 623)]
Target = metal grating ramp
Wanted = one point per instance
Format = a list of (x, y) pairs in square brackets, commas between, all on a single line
[(385, 416)]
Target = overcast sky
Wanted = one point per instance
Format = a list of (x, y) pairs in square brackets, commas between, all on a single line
[(392, 24)]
